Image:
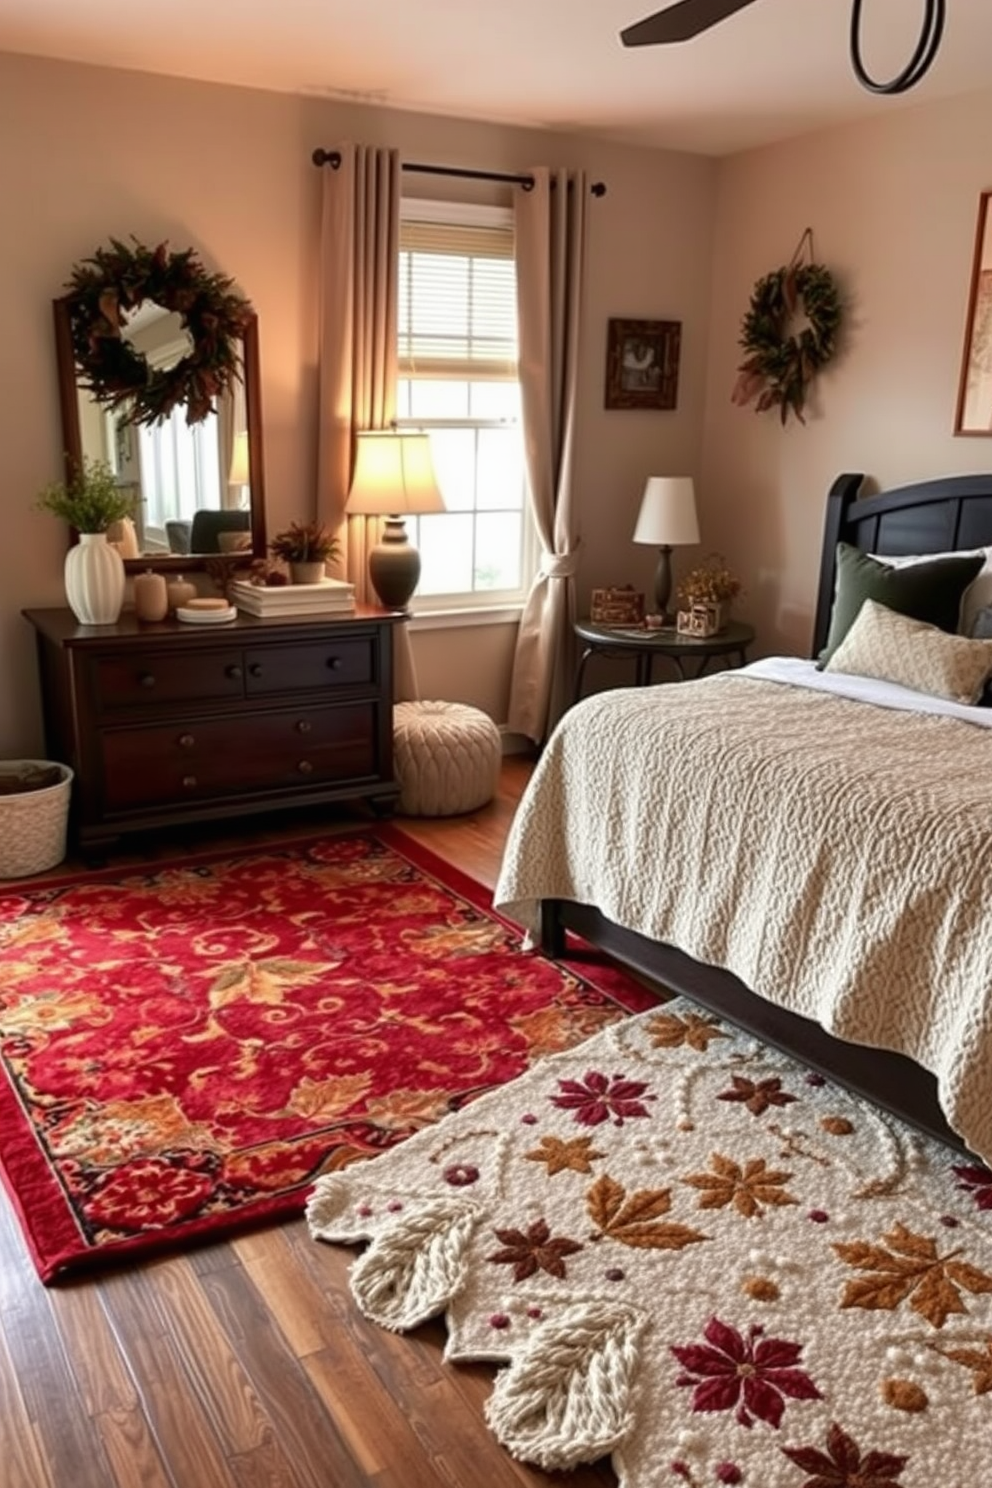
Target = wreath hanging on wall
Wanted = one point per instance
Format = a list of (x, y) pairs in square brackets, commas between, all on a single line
[(779, 366), (109, 286)]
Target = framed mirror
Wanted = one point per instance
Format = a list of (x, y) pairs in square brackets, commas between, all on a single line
[(199, 488)]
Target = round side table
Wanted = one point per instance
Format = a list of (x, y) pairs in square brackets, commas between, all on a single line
[(691, 655)]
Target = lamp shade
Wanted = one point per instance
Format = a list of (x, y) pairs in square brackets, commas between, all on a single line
[(668, 512), (239, 460), (394, 475)]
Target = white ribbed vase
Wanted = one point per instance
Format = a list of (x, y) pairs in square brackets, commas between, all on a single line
[(94, 580)]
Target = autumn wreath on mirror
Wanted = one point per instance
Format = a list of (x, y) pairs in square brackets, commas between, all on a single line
[(108, 288), (780, 363)]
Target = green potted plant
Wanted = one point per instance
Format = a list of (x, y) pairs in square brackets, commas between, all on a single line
[(91, 501), (306, 547)]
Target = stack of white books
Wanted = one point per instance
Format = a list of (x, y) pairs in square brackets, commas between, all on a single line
[(329, 597)]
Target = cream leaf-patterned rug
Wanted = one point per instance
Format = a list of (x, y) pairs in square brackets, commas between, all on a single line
[(697, 1256)]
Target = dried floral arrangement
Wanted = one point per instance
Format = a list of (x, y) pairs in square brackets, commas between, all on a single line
[(222, 572), (115, 281), (265, 574), (712, 582)]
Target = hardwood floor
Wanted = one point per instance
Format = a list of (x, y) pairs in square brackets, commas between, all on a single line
[(246, 1362)]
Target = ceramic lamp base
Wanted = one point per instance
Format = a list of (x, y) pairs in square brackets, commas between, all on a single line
[(663, 580), (394, 566)]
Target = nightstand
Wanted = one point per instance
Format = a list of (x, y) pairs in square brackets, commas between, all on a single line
[(691, 655)]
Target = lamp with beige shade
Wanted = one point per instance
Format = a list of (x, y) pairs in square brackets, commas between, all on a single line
[(667, 519), (394, 478)]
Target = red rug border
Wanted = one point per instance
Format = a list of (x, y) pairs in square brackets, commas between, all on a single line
[(52, 1215)]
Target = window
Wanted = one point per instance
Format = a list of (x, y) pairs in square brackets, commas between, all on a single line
[(458, 382), (180, 470)]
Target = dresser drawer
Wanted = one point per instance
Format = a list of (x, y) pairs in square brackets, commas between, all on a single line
[(348, 662), (150, 678), (205, 759)]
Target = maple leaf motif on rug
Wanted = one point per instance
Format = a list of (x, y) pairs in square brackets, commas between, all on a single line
[(185, 1048), (694, 1255)]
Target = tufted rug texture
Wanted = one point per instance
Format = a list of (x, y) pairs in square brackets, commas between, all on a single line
[(698, 1257), (183, 1049)]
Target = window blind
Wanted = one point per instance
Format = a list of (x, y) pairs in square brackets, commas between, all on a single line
[(457, 300)]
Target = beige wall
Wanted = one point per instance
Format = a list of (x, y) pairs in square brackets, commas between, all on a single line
[(892, 205), (86, 153)]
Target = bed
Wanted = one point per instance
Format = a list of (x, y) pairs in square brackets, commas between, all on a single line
[(889, 989)]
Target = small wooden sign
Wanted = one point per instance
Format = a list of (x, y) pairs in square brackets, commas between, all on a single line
[(617, 606)]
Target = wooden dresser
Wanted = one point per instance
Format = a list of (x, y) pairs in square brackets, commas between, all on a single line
[(175, 723)]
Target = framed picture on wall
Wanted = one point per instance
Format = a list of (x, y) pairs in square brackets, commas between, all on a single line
[(642, 363), (974, 410)]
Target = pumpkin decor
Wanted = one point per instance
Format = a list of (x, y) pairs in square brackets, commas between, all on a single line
[(115, 282), (779, 365)]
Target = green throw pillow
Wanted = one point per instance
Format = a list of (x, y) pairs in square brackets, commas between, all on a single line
[(924, 591)]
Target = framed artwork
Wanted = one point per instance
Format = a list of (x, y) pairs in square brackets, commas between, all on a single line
[(642, 363), (974, 410)]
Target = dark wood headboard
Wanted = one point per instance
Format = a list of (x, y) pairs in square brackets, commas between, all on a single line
[(935, 516)]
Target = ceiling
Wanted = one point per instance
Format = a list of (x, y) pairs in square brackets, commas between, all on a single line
[(777, 68)]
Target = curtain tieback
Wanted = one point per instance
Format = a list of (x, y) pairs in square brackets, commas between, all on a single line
[(558, 565)]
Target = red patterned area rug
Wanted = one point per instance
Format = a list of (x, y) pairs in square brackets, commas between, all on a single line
[(697, 1256), (186, 1048)]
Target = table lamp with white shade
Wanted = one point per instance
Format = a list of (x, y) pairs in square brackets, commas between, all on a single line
[(394, 478), (667, 519)]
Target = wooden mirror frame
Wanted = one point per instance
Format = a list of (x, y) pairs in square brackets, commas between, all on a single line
[(73, 444)]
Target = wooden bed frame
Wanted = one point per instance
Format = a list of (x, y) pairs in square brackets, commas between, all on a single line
[(935, 516)]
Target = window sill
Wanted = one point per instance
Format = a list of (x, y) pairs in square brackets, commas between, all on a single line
[(449, 619)]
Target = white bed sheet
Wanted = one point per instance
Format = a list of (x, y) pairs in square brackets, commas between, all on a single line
[(793, 671)]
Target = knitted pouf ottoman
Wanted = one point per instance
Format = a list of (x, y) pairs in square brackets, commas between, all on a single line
[(446, 756)]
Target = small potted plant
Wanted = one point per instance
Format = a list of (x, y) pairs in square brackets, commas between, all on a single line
[(91, 502), (306, 547), (705, 596)]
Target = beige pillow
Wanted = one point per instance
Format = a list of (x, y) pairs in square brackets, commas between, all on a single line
[(893, 648)]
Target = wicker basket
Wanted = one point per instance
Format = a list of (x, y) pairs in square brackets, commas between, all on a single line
[(33, 824)]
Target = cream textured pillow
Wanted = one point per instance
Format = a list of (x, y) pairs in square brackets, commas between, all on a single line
[(894, 648)]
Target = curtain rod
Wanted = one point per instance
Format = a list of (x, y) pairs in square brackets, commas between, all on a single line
[(333, 159)]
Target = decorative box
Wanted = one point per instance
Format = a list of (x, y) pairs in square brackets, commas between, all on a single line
[(701, 620), (617, 606)]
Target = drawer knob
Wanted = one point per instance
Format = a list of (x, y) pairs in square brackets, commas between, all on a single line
[(305, 767), (303, 727), (186, 741), (234, 672), (255, 670), (147, 679), (189, 782), (334, 662)]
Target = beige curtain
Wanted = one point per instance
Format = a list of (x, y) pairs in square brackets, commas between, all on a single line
[(359, 288), (550, 231)]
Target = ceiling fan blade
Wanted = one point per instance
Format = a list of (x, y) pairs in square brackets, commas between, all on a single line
[(680, 22)]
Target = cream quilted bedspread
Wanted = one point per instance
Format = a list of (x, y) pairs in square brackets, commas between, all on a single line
[(836, 856)]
